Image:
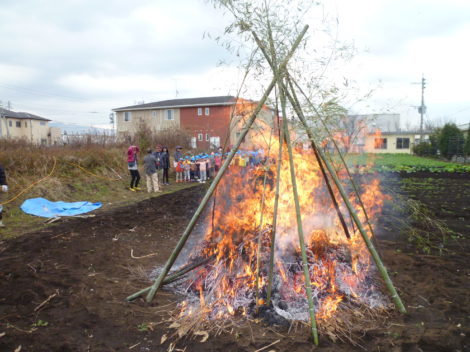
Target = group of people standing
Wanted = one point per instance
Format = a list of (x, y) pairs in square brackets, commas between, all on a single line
[(201, 167), (156, 167), (188, 168)]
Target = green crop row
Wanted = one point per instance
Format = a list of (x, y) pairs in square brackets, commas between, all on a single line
[(401, 163)]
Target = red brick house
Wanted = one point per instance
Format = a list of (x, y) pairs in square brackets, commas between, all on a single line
[(210, 121)]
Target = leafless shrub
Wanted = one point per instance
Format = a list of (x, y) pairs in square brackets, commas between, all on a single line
[(170, 137)]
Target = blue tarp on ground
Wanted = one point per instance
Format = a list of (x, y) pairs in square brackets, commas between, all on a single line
[(47, 209)]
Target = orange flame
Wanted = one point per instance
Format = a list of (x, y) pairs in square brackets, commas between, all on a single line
[(337, 266)]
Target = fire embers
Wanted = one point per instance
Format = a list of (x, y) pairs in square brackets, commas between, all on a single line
[(227, 285), (339, 268)]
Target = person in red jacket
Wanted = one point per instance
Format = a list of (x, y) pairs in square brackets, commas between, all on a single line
[(132, 166), (4, 186)]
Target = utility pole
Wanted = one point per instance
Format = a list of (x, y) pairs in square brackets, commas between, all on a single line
[(1, 118), (422, 110)]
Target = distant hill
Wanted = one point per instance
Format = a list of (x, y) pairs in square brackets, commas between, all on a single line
[(71, 128)]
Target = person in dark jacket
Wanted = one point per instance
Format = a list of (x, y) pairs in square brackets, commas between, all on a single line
[(3, 184), (150, 167), (178, 154), (158, 155), (165, 157)]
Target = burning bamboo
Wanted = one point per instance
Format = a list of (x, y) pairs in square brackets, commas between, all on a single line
[(296, 105), (263, 197), (272, 62), (378, 262), (276, 196), (273, 237), (351, 180), (308, 284), (277, 75)]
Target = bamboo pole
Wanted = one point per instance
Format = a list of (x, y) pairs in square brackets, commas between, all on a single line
[(308, 285), (378, 262), (343, 161), (383, 271), (273, 238), (173, 277), (156, 285), (332, 195), (272, 62), (258, 251)]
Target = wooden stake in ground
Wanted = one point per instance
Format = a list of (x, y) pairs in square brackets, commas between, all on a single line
[(156, 285)]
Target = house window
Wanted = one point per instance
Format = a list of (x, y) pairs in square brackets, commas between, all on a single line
[(380, 143), (43, 141), (170, 115), (127, 115), (154, 113), (199, 111), (199, 136), (206, 112), (215, 142), (403, 143), (207, 137), (42, 123), (10, 123), (193, 142), (18, 123)]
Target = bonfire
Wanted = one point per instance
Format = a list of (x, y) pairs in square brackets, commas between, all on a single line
[(231, 258), (286, 240)]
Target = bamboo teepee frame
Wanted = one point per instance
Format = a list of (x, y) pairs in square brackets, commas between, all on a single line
[(286, 90)]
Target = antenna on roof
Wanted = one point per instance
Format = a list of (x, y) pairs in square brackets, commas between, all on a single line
[(176, 88)]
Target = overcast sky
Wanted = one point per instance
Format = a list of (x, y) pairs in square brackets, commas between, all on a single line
[(75, 60)]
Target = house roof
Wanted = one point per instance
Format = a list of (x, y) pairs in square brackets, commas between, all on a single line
[(20, 115), (181, 103)]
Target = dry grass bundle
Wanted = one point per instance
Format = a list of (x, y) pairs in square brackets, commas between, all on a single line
[(350, 324)]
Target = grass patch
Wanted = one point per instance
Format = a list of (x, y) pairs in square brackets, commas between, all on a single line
[(401, 163), (111, 195), (102, 177)]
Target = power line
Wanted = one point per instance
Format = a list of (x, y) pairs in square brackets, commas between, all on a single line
[(52, 108), (36, 92), (458, 111)]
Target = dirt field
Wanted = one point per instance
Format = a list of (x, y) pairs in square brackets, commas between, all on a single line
[(63, 287)]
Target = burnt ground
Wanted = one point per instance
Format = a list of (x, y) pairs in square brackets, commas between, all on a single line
[(85, 268)]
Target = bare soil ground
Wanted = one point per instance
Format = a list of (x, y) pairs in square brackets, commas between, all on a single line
[(63, 287)]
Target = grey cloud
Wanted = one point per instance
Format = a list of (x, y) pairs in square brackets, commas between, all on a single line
[(97, 38), (399, 22)]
